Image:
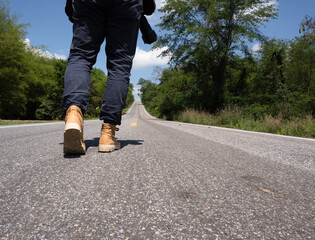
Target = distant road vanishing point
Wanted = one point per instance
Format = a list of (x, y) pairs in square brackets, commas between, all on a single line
[(170, 180)]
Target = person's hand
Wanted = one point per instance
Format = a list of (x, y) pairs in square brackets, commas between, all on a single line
[(148, 7)]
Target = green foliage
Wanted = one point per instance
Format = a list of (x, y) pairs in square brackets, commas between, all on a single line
[(271, 63), (202, 35), (300, 75), (130, 98), (51, 102), (171, 96), (147, 91), (98, 81), (18, 122), (307, 27), (240, 119), (256, 111), (12, 70), (270, 90), (23, 72)]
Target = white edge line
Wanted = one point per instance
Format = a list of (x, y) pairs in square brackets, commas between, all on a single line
[(233, 129)]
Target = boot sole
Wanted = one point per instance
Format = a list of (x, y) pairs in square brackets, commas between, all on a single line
[(108, 148), (73, 143)]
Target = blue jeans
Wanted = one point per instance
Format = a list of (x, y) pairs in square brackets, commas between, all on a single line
[(117, 21)]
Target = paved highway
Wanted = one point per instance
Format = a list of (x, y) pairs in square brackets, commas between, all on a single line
[(170, 180)]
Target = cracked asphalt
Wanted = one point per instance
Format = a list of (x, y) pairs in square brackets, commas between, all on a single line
[(170, 180)]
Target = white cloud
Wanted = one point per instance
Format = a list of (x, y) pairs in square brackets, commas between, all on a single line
[(159, 3), (265, 4), (256, 47), (148, 59), (43, 53), (50, 55), (26, 41), (60, 56), (136, 91)]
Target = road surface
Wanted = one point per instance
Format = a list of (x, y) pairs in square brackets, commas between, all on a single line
[(170, 180)]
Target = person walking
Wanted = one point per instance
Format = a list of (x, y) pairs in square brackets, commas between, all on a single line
[(116, 22)]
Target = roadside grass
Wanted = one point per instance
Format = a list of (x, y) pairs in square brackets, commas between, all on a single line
[(125, 110), (237, 118), (16, 122), (91, 118)]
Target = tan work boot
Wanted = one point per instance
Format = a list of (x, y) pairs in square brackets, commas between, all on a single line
[(73, 132), (108, 141)]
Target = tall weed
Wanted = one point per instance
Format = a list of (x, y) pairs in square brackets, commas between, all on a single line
[(241, 119)]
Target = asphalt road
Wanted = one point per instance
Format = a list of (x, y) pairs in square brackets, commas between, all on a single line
[(170, 180)]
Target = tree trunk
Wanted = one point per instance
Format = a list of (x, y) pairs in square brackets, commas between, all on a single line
[(310, 76), (219, 79)]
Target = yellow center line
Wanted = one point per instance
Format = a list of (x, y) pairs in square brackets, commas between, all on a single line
[(134, 124)]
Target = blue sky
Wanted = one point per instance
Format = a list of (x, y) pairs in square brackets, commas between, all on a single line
[(50, 27)]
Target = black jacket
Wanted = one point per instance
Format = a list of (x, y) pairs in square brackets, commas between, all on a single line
[(148, 8), (69, 10)]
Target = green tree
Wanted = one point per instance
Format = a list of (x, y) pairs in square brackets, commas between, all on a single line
[(51, 101), (23, 72), (147, 91), (31, 84), (98, 81), (306, 42), (175, 92), (240, 74), (130, 98), (204, 34), (301, 65), (12, 68), (307, 27), (270, 75), (300, 77)]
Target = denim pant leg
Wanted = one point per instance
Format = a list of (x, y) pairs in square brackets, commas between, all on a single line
[(88, 35), (121, 39)]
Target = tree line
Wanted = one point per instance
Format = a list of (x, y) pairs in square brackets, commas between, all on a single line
[(31, 83), (213, 67)]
